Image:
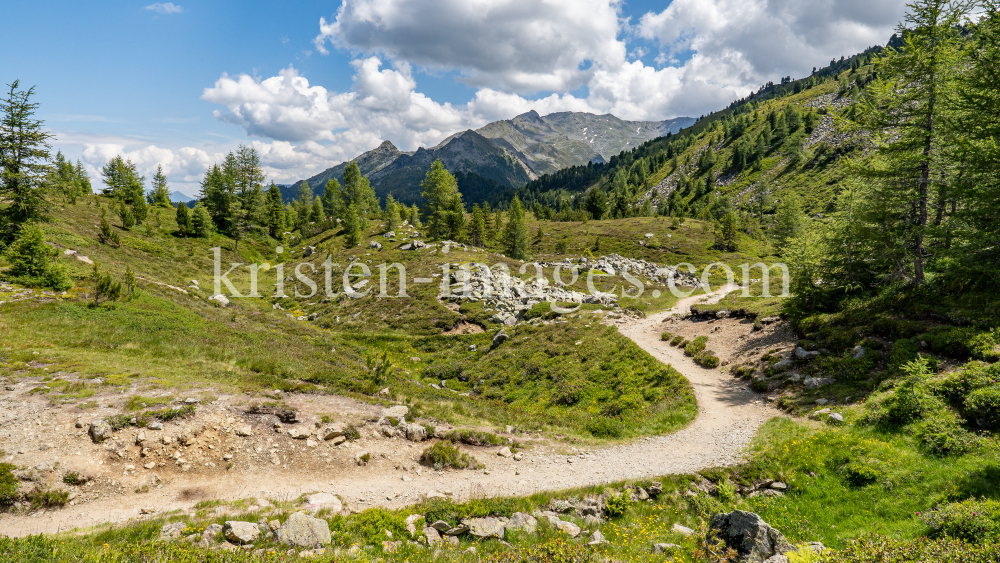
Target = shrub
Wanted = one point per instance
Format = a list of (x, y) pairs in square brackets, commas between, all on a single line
[(859, 474), (759, 384), (705, 506), (943, 435), (880, 548), (675, 341), (8, 484), (909, 401), (476, 438), (352, 433), (976, 521), (444, 454), (666, 336), (33, 262), (744, 371), (72, 478), (44, 498), (982, 407), (975, 391), (370, 526), (707, 359), (558, 550), (617, 504), (605, 428), (695, 346), (903, 352), (963, 343)]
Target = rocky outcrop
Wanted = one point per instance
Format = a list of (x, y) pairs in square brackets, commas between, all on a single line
[(753, 539), (302, 530)]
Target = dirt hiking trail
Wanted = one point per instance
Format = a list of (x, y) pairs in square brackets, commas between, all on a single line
[(729, 416)]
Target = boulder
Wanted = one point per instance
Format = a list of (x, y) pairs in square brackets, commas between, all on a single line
[(244, 430), (814, 382), (500, 338), (169, 532), (783, 364), (308, 251), (331, 431), (753, 539), (802, 354), (398, 412), (220, 299), (569, 528), (411, 523), (521, 522), (504, 452), (597, 538), (433, 536), (836, 418), (664, 547), (441, 526), (858, 352), (100, 430), (375, 245), (416, 432), (682, 530), (302, 530), (485, 527), (319, 501), (241, 532)]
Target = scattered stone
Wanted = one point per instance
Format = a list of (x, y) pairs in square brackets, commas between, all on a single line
[(441, 526), (457, 530), (783, 364), (150, 465), (821, 401), (836, 418), (485, 527), (500, 338), (244, 430), (814, 382), (416, 432), (521, 522), (100, 430), (433, 536), (398, 412), (411, 523), (505, 452), (665, 547), (319, 501), (779, 486), (241, 532), (858, 352), (154, 426), (303, 530), (747, 533), (375, 245), (334, 430), (173, 531), (308, 251), (682, 530), (472, 347), (802, 354), (597, 538), (220, 299)]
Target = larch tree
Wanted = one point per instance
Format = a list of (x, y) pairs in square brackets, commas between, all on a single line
[(24, 161), (160, 196), (515, 233), (438, 189)]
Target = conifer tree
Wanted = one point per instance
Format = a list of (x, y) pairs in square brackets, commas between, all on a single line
[(303, 204), (318, 213), (358, 192), (275, 211), (201, 221), (333, 199), (160, 196), (477, 227), (24, 157), (391, 213), (438, 189), (515, 234), (352, 226), (184, 226), (33, 262)]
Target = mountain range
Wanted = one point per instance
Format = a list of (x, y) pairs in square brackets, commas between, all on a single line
[(500, 156)]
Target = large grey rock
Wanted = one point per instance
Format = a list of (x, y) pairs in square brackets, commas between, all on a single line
[(500, 338), (241, 532), (858, 352), (100, 430), (169, 532), (802, 354), (416, 432), (398, 412), (485, 527), (682, 530), (783, 364), (665, 547), (519, 521), (411, 524), (220, 299), (753, 538), (433, 536), (814, 382), (308, 251), (319, 501), (331, 431), (303, 530)]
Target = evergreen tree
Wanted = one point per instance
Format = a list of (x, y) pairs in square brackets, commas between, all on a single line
[(245, 174), (596, 203), (788, 222), (358, 192), (66, 179), (184, 226), (216, 198), (291, 217), (456, 218), (905, 116), (391, 213), (303, 204), (24, 157), (105, 286), (333, 199), (160, 196), (127, 187), (129, 282), (727, 232), (352, 226), (275, 211), (318, 213), (477, 227), (201, 221), (415, 216), (108, 235), (33, 262), (439, 190), (515, 233)]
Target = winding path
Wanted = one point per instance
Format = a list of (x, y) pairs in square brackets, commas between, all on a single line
[(728, 418)]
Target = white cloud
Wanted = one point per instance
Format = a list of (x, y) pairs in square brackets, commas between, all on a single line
[(165, 8), (514, 45)]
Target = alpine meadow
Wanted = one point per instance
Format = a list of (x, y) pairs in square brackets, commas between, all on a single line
[(530, 313)]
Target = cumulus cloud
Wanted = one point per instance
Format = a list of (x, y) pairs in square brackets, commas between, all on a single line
[(753, 41), (165, 8), (513, 45)]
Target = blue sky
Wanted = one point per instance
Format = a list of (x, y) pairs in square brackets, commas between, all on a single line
[(181, 84)]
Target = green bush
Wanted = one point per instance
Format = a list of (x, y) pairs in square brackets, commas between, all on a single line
[(617, 504), (33, 262), (444, 454), (44, 498), (553, 551), (72, 478), (605, 428), (478, 438), (666, 336), (8, 484), (982, 407), (695, 346), (922, 550), (675, 341), (976, 521), (943, 435), (859, 474), (903, 352), (909, 401), (707, 359), (975, 391), (369, 526), (963, 343)]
